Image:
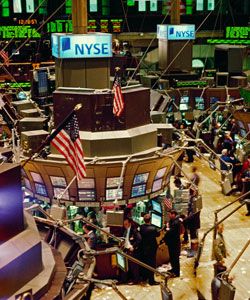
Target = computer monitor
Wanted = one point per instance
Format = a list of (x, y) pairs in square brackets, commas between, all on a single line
[(166, 294), (156, 206), (122, 262), (157, 184), (184, 103), (213, 100), (138, 190), (141, 178), (156, 220), (199, 103)]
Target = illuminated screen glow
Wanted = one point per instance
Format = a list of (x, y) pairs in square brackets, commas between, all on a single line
[(93, 45), (111, 194), (58, 181), (36, 177), (86, 183), (121, 261), (138, 190), (17, 6), (41, 189), (86, 195), (114, 182), (160, 173), (141, 178), (157, 185), (199, 103), (156, 206), (30, 6), (156, 220), (58, 191)]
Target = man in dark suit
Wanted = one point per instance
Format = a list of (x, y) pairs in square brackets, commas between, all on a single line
[(172, 239), (132, 247), (149, 233)]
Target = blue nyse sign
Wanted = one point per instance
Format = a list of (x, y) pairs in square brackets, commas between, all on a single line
[(176, 32), (94, 45)]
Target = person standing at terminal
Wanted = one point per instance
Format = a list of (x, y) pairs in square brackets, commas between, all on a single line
[(149, 233), (173, 241)]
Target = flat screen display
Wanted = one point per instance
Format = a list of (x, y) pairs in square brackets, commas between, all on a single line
[(121, 262), (141, 178), (86, 183), (113, 182), (17, 6), (36, 177), (156, 206), (58, 181), (42, 83), (111, 194), (41, 189), (160, 173), (27, 183), (243, 132), (58, 191), (157, 185), (156, 220), (213, 100), (138, 190), (240, 124), (184, 103), (199, 103), (86, 195)]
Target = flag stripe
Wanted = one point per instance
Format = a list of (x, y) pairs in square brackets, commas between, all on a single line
[(118, 104), (67, 142)]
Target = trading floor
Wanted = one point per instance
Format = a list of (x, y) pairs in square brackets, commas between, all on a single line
[(236, 233)]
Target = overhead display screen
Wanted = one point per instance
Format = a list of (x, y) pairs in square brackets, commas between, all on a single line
[(141, 178), (138, 190), (58, 181)]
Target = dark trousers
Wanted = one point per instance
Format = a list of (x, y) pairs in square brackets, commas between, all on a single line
[(133, 273), (149, 259), (174, 257)]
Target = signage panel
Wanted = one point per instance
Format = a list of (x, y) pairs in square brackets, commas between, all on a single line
[(176, 32), (94, 45)]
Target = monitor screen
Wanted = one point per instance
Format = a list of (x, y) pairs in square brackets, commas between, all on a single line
[(184, 102), (157, 185), (86, 183), (41, 189), (138, 190), (58, 181), (243, 132), (199, 103), (111, 194), (27, 183), (141, 178), (86, 195), (156, 206), (184, 99), (240, 124), (183, 107), (58, 191), (42, 83), (121, 262), (156, 220), (36, 177), (160, 173), (213, 100), (113, 182)]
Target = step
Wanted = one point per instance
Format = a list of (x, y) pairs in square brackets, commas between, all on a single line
[(31, 112)]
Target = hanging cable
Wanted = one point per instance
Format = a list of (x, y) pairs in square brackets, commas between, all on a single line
[(151, 42), (177, 55)]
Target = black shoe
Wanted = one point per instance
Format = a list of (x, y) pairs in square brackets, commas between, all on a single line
[(154, 283)]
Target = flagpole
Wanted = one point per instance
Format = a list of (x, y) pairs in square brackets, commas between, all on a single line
[(50, 137), (65, 190)]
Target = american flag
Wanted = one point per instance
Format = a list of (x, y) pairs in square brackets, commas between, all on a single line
[(67, 142), (168, 203), (5, 57), (118, 104)]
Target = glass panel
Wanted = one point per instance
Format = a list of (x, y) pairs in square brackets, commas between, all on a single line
[(141, 178), (36, 177), (58, 181)]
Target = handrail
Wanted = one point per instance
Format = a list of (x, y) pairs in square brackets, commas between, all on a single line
[(201, 245)]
